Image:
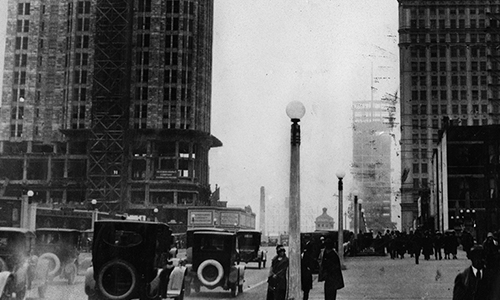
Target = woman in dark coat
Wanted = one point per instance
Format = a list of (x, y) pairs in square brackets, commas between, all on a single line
[(278, 275)]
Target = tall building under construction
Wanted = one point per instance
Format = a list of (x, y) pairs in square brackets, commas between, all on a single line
[(107, 100), (450, 69)]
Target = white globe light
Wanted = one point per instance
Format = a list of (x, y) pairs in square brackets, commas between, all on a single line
[(295, 110), (94, 201), (340, 174), (30, 193)]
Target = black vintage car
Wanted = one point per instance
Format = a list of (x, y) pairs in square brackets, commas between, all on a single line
[(249, 246), (131, 261), (20, 269), (215, 262), (60, 247)]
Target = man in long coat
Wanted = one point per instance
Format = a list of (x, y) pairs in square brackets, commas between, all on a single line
[(473, 283), (330, 270)]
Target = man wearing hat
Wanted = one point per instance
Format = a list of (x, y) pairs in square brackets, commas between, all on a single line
[(472, 283)]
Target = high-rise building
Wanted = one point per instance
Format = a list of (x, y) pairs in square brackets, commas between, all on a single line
[(373, 137), (108, 100), (449, 68)]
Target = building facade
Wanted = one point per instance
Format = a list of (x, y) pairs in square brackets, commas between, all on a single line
[(373, 122), (449, 68), (107, 100), (465, 187)]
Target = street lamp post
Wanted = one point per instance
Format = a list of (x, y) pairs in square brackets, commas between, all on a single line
[(94, 212), (155, 214), (295, 111), (355, 209), (340, 176)]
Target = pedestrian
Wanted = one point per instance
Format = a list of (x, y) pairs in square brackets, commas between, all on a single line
[(466, 240), (437, 243), (490, 246), (472, 284), (277, 280), (330, 270), (427, 245), (417, 245), (307, 264)]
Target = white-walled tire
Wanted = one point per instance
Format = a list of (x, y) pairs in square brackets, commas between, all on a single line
[(55, 263), (210, 272), (114, 273)]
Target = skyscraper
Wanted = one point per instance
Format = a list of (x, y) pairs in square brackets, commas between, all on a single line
[(373, 137), (108, 100), (449, 67)]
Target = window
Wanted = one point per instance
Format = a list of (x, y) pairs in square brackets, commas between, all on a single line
[(16, 130), (142, 75), (82, 41), (22, 43), (83, 24), (23, 25), (143, 40), (80, 77), (83, 7), (20, 60), (81, 59), (416, 168), (23, 9), (17, 113), (144, 23), (20, 77)]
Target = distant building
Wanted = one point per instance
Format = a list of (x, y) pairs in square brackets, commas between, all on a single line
[(324, 221), (373, 136)]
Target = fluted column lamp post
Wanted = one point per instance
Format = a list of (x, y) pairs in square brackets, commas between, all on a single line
[(340, 176), (295, 111)]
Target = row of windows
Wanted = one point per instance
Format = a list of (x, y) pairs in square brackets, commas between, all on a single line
[(453, 11), (173, 7), (452, 38), (443, 109), (455, 66), (453, 24), (455, 51), (456, 95)]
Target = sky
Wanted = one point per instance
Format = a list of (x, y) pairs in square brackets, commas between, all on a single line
[(324, 53)]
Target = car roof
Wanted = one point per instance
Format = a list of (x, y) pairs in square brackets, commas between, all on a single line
[(207, 229), (249, 231), (129, 221), (57, 229), (15, 229), (214, 233)]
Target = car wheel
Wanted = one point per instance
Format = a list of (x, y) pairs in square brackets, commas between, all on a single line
[(234, 290), (54, 263), (117, 280), (210, 272)]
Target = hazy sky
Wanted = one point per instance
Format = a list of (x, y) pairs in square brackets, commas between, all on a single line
[(270, 52)]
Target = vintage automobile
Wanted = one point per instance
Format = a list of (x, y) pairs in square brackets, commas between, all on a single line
[(60, 247), (20, 269), (215, 262), (249, 246), (131, 261)]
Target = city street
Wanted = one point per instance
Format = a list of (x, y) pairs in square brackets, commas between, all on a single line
[(367, 277)]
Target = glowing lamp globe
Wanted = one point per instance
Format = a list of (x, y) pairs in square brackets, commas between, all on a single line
[(340, 174), (295, 110)]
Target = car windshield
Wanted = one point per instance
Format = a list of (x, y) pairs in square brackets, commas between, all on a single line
[(212, 243), (248, 241), (11, 240)]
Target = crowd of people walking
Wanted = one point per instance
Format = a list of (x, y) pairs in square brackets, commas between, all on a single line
[(429, 244)]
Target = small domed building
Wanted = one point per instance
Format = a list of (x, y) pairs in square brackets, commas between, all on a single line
[(324, 221)]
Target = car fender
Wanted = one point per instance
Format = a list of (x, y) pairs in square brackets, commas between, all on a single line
[(90, 283), (236, 274)]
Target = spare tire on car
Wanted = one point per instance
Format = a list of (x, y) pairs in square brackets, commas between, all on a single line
[(55, 263), (210, 272), (117, 279)]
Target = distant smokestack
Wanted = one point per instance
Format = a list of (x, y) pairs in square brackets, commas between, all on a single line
[(262, 218)]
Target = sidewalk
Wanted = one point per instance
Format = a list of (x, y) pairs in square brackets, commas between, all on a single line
[(398, 279)]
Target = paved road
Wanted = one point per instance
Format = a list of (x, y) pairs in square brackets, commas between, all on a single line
[(366, 278)]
